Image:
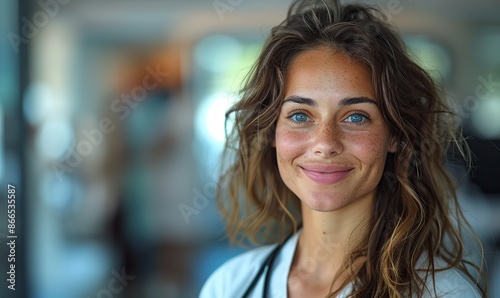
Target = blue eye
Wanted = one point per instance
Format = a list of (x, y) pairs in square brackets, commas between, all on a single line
[(356, 118), (299, 117)]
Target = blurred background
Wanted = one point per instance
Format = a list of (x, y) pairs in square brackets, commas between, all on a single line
[(112, 122)]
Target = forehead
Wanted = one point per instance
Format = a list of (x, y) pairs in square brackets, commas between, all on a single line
[(323, 72)]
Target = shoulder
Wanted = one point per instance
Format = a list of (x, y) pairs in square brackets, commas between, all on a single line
[(234, 276), (451, 283)]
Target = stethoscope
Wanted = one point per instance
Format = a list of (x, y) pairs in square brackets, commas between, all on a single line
[(267, 265)]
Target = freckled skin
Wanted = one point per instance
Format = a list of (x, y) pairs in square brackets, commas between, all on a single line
[(327, 137)]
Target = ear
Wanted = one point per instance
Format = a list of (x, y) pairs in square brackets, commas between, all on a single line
[(393, 144)]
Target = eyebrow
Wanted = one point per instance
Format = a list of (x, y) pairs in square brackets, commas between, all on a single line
[(301, 100), (346, 101)]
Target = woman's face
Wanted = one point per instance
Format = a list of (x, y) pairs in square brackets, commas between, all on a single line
[(331, 140)]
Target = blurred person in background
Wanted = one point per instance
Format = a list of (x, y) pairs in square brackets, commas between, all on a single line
[(337, 153)]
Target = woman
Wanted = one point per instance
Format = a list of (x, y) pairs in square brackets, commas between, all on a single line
[(339, 140)]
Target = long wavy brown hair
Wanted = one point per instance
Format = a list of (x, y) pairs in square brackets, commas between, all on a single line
[(416, 212)]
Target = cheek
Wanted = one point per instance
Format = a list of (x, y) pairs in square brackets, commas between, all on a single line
[(289, 144), (370, 150)]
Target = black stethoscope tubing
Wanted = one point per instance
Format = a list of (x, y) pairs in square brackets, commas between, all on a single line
[(268, 264)]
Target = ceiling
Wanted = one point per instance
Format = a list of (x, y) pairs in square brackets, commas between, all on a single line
[(192, 18)]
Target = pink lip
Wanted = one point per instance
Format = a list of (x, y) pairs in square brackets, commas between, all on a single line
[(326, 174)]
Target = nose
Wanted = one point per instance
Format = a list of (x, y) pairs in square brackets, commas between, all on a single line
[(327, 140)]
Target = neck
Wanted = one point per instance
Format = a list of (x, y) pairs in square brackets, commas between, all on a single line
[(327, 239), (337, 231)]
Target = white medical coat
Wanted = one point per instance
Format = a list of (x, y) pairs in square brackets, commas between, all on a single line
[(233, 278)]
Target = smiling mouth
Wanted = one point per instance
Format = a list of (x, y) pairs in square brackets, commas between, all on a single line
[(326, 176)]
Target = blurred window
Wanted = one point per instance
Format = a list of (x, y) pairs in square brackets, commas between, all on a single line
[(431, 56), (221, 64)]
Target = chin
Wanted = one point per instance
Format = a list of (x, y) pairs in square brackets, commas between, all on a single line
[(336, 202), (325, 204)]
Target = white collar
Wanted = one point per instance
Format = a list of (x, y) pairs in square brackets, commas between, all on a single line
[(281, 269)]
